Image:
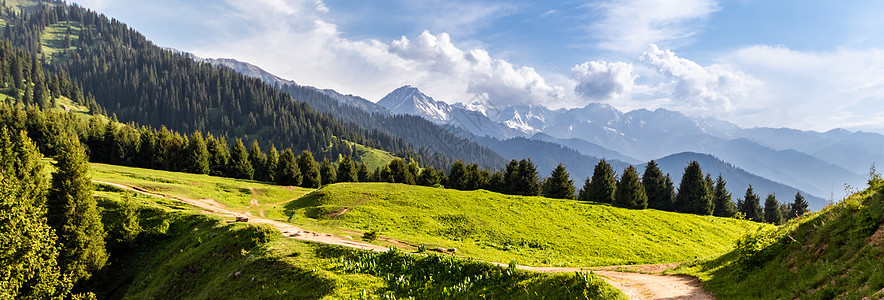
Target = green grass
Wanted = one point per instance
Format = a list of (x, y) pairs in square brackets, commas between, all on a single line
[(532, 231), (179, 254), (235, 194), (835, 253), (373, 158), (52, 41)]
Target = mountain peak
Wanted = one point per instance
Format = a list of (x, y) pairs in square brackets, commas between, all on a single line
[(409, 100)]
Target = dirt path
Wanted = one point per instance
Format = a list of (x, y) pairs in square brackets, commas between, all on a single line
[(636, 283)]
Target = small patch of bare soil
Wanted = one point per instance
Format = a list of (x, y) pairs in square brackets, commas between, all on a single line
[(877, 239), (336, 214)]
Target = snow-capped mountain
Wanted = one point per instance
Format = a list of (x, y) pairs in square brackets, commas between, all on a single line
[(408, 100)]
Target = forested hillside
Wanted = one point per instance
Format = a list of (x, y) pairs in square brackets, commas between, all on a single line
[(132, 78)]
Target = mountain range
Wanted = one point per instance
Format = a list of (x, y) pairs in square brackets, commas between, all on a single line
[(819, 164)]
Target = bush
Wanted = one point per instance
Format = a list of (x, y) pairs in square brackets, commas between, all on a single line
[(752, 249), (370, 236)]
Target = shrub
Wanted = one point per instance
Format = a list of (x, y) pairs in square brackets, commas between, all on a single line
[(370, 236)]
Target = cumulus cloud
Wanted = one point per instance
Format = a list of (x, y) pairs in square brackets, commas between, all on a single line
[(816, 90), (600, 80), (712, 89), (631, 25)]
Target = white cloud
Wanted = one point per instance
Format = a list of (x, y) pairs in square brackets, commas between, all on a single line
[(600, 80), (810, 90), (713, 90), (632, 25)]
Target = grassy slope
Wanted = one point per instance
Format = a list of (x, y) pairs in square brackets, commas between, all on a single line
[(529, 230), (184, 255), (373, 158), (835, 253)]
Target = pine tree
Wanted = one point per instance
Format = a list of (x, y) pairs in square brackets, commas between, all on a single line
[(457, 178), (270, 165), (724, 206), (670, 190), (752, 206), (772, 210), (240, 167), (220, 155), (428, 177), (496, 183), (310, 176), (693, 192), (363, 172), (196, 155), (287, 170), (327, 172), (258, 159), (73, 213), (603, 183), (559, 185), (799, 207), (655, 187), (630, 192), (23, 230), (347, 171), (527, 183), (583, 195)]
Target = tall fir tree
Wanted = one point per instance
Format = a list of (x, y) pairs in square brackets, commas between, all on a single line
[(399, 171), (655, 187), (327, 172), (196, 155), (347, 171), (258, 159), (363, 172), (527, 183), (630, 192), (74, 214), (799, 206), (428, 177), (239, 166), (583, 194), (458, 177), (693, 192), (751, 207), (310, 176), (23, 229), (219, 154), (288, 171), (670, 190), (724, 205), (603, 184), (271, 163), (772, 210), (559, 184)]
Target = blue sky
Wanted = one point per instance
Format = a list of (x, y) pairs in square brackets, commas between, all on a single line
[(812, 65)]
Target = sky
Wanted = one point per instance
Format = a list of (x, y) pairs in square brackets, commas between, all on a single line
[(811, 65)]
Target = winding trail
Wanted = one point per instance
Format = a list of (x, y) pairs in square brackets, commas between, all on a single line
[(638, 282)]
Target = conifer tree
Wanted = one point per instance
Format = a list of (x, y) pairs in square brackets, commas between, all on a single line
[(196, 155), (799, 207), (23, 230), (219, 153), (670, 190), (399, 172), (724, 206), (258, 159), (347, 171), (310, 176), (559, 185), (457, 178), (73, 213), (496, 183), (270, 165), (583, 195), (509, 177), (772, 210), (363, 172), (287, 170), (526, 182), (414, 170), (240, 167), (752, 206), (327, 172), (428, 177), (655, 187), (630, 192), (603, 183), (693, 192)]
